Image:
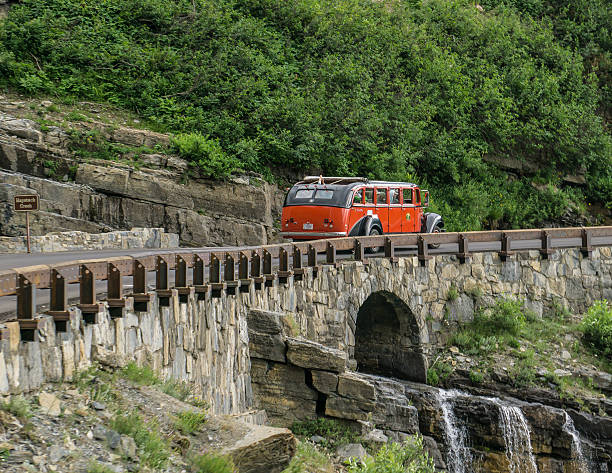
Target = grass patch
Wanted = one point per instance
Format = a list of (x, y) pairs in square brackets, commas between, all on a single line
[(213, 463), (18, 406), (452, 294), (309, 460), (597, 329), (97, 467), (396, 458), (438, 373), (188, 422), (476, 377), (177, 389), (154, 451), (142, 375), (334, 433)]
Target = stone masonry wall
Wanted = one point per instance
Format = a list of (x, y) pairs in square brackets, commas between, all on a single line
[(201, 342), (73, 241)]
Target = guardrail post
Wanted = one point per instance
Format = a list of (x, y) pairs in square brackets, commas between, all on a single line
[(200, 288), (139, 286), (26, 308), (390, 249), (114, 291), (283, 263), (464, 248), (229, 274), (298, 271), (256, 273), (586, 248), (358, 252), (180, 279), (161, 282), (330, 254), (215, 276), (506, 245), (59, 301), (312, 260), (87, 295), (423, 250), (243, 273), (546, 248), (267, 268)]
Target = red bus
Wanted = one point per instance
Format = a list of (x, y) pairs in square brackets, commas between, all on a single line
[(328, 207)]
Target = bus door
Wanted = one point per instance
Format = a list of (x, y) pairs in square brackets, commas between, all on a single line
[(357, 209), (409, 211), (382, 207), (419, 210), (368, 201), (395, 211)]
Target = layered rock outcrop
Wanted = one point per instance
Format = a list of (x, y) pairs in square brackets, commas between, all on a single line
[(100, 195)]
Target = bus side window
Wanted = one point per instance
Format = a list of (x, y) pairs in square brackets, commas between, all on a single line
[(394, 196), (381, 197), (407, 196), (358, 197), (368, 196), (418, 197)]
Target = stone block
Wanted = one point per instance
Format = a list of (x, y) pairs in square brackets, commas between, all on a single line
[(354, 387), (351, 409), (265, 321), (268, 347), (307, 354), (324, 381)]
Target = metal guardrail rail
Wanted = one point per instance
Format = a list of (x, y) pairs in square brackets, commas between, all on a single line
[(238, 269)]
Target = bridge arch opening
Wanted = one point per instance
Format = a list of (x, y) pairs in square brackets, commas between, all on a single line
[(387, 339)]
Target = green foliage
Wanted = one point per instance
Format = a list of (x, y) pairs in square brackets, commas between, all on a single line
[(452, 294), (140, 374), (432, 89), (334, 432), (523, 373), (154, 451), (309, 460), (97, 467), (212, 463), (189, 422), (597, 328), (18, 406), (407, 457), (476, 377), (177, 389), (438, 373)]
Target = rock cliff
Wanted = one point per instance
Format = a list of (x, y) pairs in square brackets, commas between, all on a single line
[(147, 189)]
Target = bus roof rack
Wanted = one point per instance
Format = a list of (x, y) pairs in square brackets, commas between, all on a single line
[(331, 180)]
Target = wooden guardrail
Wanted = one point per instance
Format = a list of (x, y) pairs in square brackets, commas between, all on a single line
[(214, 271)]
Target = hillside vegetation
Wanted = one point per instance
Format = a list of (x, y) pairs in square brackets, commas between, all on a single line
[(412, 90)]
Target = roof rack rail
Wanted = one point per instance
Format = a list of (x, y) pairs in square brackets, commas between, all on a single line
[(331, 180)]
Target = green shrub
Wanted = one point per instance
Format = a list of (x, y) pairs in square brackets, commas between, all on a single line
[(205, 153), (438, 373), (189, 422), (97, 467), (334, 432), (452, 294), (140, 374), (476, 377), (506, 317), (309, 460), (154, 451), (408, 457), (177, 389), (212, 463), (597, 328), (18, 406)]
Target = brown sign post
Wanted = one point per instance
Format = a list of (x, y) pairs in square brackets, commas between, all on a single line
[(26, 203)]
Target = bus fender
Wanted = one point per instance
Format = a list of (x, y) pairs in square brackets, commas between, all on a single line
[(430, 220), (364, 225)]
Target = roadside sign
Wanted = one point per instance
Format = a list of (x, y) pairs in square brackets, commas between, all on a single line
[(26, 203)]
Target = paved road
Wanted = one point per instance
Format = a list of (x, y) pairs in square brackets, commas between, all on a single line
[(7, 304)]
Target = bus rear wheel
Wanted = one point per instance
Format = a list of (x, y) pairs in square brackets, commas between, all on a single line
[(374, 231)]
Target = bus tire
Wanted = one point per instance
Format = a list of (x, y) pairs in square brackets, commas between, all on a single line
[(374, 231)]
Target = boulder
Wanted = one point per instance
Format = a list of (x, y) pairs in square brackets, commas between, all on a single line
[(343, 408), (353, 386), (351, 450), (324, 381), (267, 347), (307, 354), (265, 321)]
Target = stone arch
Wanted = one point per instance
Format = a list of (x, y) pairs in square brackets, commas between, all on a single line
[(388, 339)]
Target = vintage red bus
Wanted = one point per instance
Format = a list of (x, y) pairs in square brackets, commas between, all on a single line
[(328, 207)]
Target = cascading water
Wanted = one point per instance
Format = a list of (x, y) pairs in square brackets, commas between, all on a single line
[(577, 450), (459, 458), (517, 437)]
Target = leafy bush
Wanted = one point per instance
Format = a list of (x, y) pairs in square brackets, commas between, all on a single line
[(18, 406), (212, 463), (205, 153), (436, 90), (597, 328), (309, 460), (334, 433), (189, 422), (438, 373), (407, 457), (505, 317), (140, 374), (154, 451)]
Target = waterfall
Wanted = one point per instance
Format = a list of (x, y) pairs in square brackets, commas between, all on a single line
[(577, 451), (458, 456), (517, 437)]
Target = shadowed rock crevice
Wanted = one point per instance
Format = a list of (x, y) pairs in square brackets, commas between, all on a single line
[(387, 339)]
